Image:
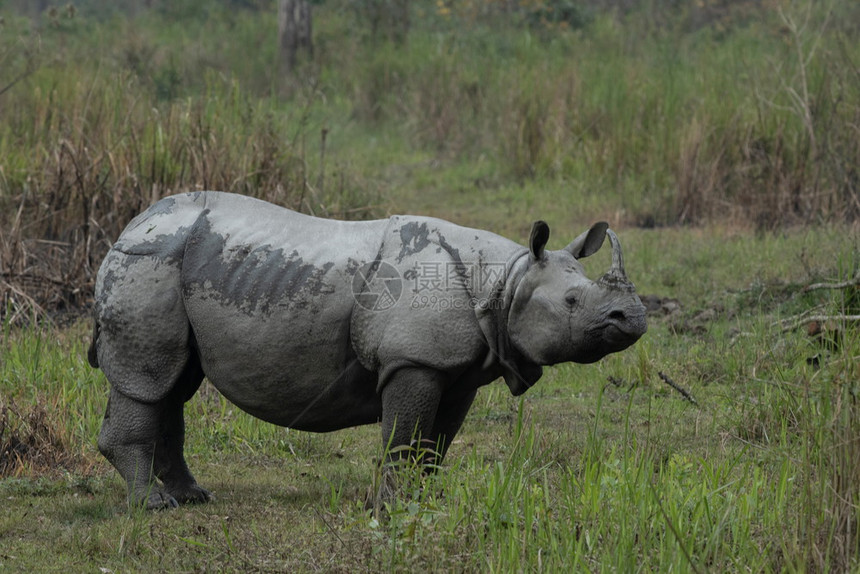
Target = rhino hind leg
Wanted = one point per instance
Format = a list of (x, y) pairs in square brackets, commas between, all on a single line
[(127, 439), (144, 345), (145, 442), (169, 458)]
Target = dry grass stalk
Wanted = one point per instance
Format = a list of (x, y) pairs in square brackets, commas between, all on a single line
[(31, 445)]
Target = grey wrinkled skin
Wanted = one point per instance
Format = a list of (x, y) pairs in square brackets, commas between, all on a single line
[(260, 300)]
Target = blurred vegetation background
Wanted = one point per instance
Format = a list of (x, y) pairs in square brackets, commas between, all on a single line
[(650, 112)]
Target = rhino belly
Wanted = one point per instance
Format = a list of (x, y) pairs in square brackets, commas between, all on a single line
[(284, 369)]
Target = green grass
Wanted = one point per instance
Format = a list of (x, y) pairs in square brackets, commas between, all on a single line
[(579, 474)]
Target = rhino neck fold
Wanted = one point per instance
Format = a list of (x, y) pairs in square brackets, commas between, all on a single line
[(519, 373)]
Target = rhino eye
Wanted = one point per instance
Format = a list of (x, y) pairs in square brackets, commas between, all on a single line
[(571, 299)]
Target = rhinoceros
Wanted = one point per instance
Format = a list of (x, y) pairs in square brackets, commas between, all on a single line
[(319, 324)]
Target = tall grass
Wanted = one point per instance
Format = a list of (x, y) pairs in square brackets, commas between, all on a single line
[(86, 156), (748, 119)]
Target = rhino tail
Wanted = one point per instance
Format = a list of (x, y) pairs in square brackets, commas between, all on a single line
[(92, 352)]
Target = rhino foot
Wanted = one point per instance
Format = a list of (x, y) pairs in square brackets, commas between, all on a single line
[(159, 501), (378, 499), (191, 494), (171, 498)]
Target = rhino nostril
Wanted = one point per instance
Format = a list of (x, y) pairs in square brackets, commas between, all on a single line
[(617, 315)]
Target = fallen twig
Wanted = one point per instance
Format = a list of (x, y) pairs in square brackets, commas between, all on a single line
[(684, 392), (796, 321), (841, 285)]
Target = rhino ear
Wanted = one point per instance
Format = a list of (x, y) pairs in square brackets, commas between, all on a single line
[(538, 239), (589, 242)]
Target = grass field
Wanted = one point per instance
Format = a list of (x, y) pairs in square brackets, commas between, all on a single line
[(724, 153)]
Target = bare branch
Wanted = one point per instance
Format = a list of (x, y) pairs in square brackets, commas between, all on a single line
[(842, 285), (11, 84), (684, 392), (793, 323)]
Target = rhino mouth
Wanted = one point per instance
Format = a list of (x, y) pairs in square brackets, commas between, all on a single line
[(611, 337), (621, 334), (613, 332)]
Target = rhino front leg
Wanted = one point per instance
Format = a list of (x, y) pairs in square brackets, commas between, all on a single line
[(449, 418), (409, 405)]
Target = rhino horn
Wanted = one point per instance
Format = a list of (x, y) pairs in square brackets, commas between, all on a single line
[(616, 277)]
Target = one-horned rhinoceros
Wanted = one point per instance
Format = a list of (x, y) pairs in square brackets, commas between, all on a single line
[(318, 324)]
